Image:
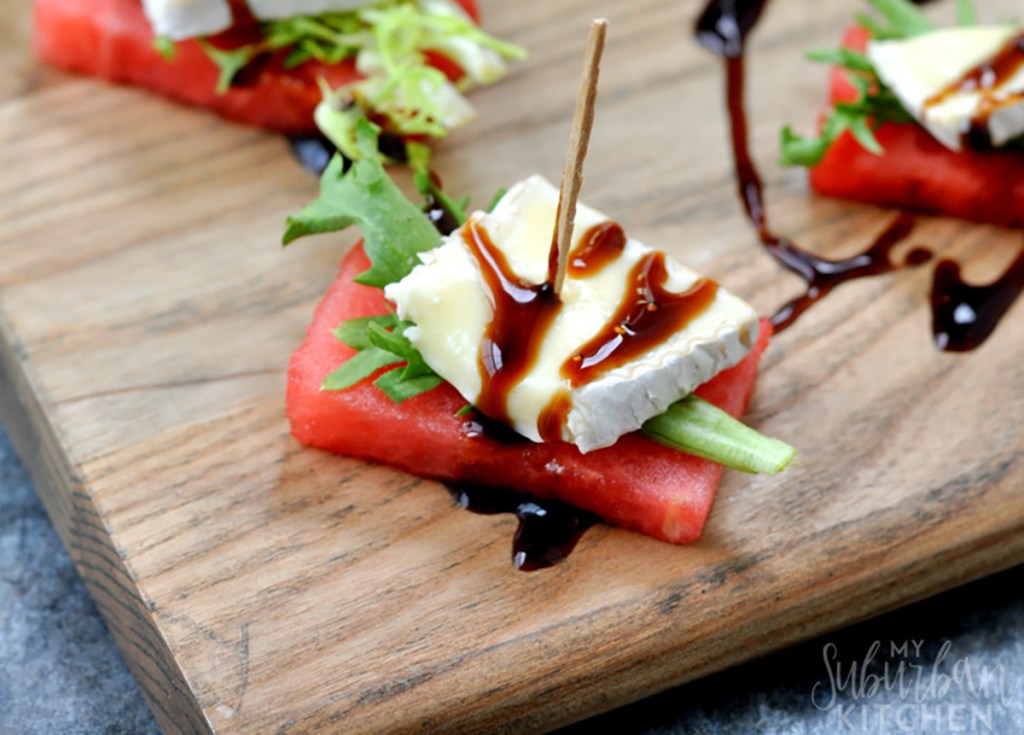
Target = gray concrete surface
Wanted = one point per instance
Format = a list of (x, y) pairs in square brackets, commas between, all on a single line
[(954, 664)]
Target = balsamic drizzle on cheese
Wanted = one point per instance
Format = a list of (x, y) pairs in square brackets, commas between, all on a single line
[(647, 316), (985, 78)]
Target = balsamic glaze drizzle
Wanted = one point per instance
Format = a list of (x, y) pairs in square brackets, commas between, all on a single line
[(548, 529), (723, 28), (313, 151), (985, 78), (648, 316), (963, 316)]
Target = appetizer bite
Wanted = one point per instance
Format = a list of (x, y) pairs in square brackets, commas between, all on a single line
[(533, 347), (922, 118), (593, 387), (287, 66)]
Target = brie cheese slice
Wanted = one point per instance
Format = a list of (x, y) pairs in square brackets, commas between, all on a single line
[(448, 299), (181, 19), (924, 70)]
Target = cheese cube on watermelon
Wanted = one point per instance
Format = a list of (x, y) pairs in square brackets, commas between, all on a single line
[(635, 483), (917, 172)]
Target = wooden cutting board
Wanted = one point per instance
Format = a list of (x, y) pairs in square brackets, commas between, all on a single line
[(147, 314)]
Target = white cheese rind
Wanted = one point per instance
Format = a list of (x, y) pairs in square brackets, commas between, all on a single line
[(181, 19), (918, 68), (448, 300)]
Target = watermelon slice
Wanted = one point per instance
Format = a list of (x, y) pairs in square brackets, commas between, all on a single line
[(917, 172), (112, 39), (636, 483)]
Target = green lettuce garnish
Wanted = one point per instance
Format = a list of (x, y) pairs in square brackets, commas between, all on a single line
[(394, 229), (391, 42), (875, 103)]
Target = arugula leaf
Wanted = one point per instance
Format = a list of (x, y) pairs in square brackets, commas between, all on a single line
[(396, 341), (429, 190), (399, 388), (381, 341), (394, 229), (844, 57), (966, 15), (353, 331), (799, 150), (361, 365), (875, 103), (905, 19), (498, 196), (165, 47)]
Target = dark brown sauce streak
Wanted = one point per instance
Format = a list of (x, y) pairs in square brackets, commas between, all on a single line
[(522, 314), (964, 316), (984, 78), (552, 418), (722, 29), (478, 426), (548, 529), (314, 151), (648, 316), (599, 246)]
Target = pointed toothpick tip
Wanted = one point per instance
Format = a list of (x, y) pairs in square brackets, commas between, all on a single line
[(579, 139)]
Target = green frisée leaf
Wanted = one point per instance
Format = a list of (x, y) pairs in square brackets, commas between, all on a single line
[(394, 229), (228, 61), (391, 43)]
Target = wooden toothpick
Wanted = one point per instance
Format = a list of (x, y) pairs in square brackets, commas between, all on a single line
[(579, 139)]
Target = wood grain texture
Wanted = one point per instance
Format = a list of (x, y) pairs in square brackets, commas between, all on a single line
[(147, 314)]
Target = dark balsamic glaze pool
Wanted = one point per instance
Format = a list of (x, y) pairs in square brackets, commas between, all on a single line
[(963, 315), (548, 529)]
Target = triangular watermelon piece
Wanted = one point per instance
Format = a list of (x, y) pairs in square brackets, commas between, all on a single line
[(916, 171), (636, 483)]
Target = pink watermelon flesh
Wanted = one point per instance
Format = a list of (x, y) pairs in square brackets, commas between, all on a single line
[(636, 483)]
